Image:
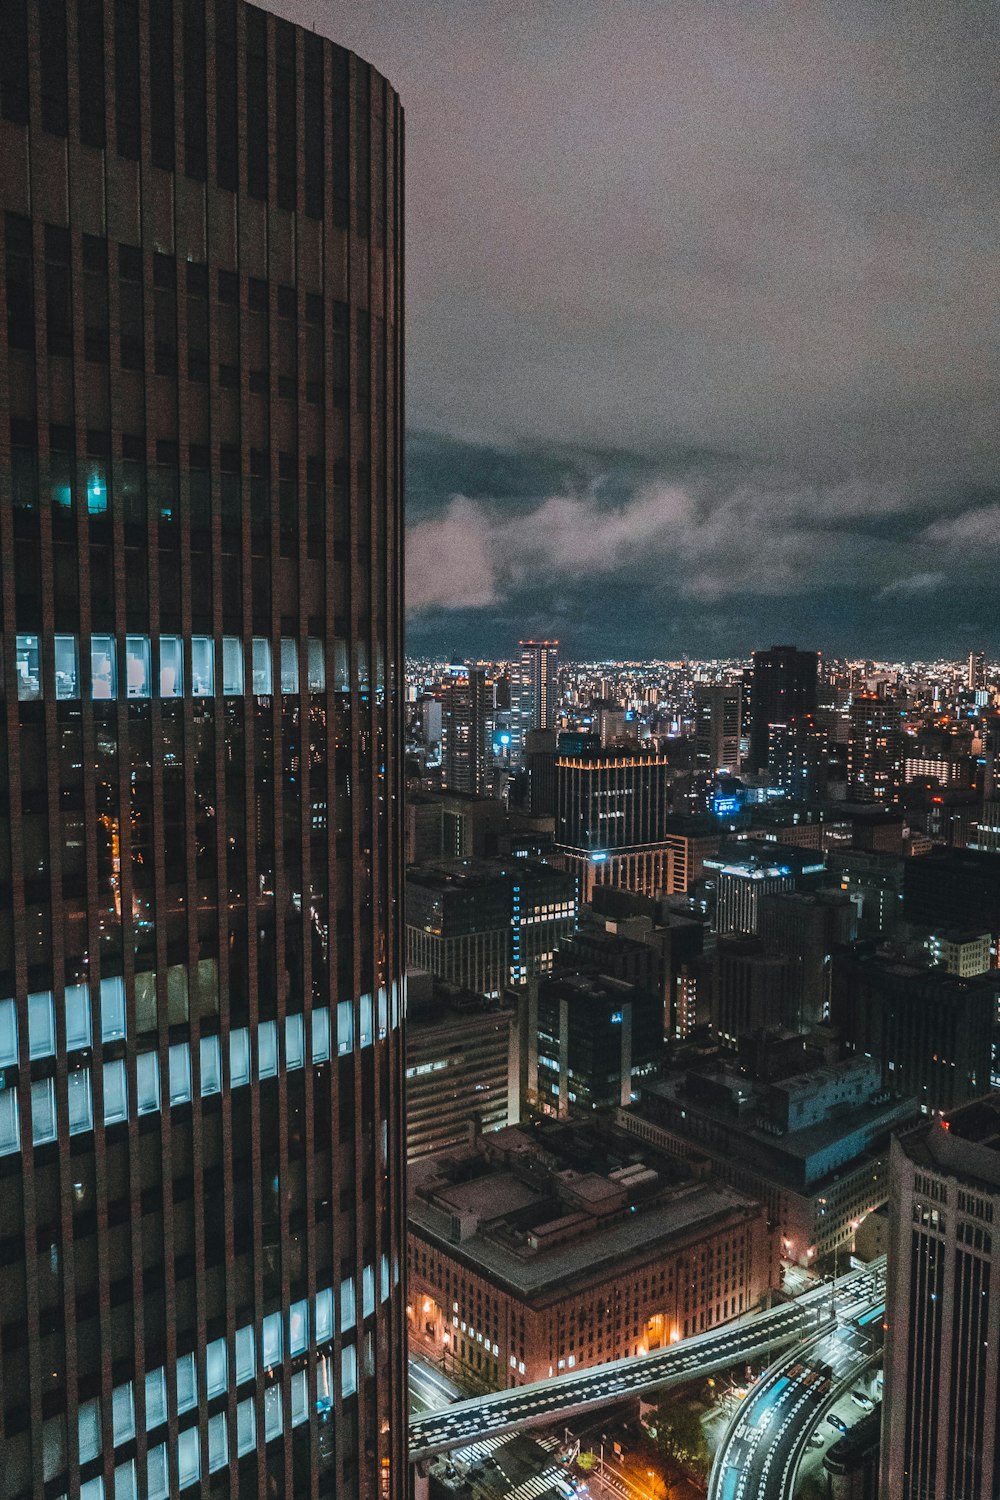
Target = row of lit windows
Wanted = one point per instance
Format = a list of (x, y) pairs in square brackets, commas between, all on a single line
[(216, 1379), (79, 1097), (174, 667)]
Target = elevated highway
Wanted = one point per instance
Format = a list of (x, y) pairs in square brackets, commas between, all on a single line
[(546, 1402)]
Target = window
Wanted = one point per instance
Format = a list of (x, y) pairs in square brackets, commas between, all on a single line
[(138, 669), (171, 666), (324, 1315), (41, 1025), (202, 666), (239, 1057), (366, 1020), (368, 1290), (67, 667), (345, 1026), (10, 1130), (112, 1009), (147, 1070), (123, 1413), (289, 665), (261, 663), (28, 667), (348, 1304), (272, 1412), (77, 1016), (246, 1354), (267, 1049), (115, 1093), (246, 1426), (218, 1442), (320, 1034), (157, 1472), (125, 1481), (43, 1111), (188, 1457), (294, 1041), (156, 1398), (93, 1489), (211, 1065), (348, 1370), (187, 1383), (103, 676), (270, 1341), (179, 1060), (232, 666), (315, 665), (216, 1368), (300, 1397), (80, 1101), (298, 1327), (89, 1429), (8, 1032)]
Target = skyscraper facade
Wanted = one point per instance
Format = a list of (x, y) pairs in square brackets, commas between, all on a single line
[(783, 685), (537, 691), (718, 713), (201, 1203), (466, 713), (612, 808), (875, 749), (940, 1428)]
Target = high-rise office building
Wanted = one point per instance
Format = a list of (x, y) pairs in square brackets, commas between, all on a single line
[(797, 755), (975, 675), (784, 684), (718, 712), (466, 705), (201, 1174), (940, 1413), (536, 692), (875, 749), (612, 808)]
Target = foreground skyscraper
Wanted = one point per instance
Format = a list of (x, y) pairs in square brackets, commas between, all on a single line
[(940, 1427), (201, 1208)]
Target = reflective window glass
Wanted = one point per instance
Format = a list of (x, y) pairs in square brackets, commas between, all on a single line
[(187, 1383), (77, 1016), (239, 1057), (89, 1428), (41, 1025), (43, 1111), (147, 1083), (272, 1412), (188, 1457), (211, 1065), (366, 1020), (232, 666), (368, 1290), (81, 1102), (179, 1059), (112, 1009), (300, 1397), (324, 1315), (246, 1426), (246, 1354), (267, 1049), (298, 1327), (348, 1370), (218, 1442), (157, 1474), (138, 667), (28, 667), (67, 667), (8, 1033), (341, 673), (156, 1398), (320, 1034), (261, 665), (315, 664), (289, 665), (295, 1041), (125, 1482), (93, 1489), (202, 666), (171, 666), (216, 1366), (115, 1093), (123, 1412), (345, 1026), (348, 1304), (270, 1340), (10, 1129), (103, 674)]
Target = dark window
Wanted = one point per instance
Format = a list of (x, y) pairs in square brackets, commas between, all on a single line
[(20, 293), (340, 137), (256, 119), (161, 83), (195, 120), (127, 78), (130, 306), (55, 103), (226, 136), (286, 128), (14, 61), (58, 294), (95, 298), (229, 288), (90, 52), (315, 126)]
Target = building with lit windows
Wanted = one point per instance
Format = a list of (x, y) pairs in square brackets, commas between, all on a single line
[(746, 870), (941, 1413), (783, 685), (718, 717), (554, 1249), (612, 807), (466, 718), (876, 749), (201, 1068), (535, 694)]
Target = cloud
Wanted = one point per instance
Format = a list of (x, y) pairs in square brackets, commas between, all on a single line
[(916, 583), (448, 560), (973, 528)]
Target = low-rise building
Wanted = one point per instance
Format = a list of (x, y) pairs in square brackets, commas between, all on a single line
[(547, 1250), (813, 1148)]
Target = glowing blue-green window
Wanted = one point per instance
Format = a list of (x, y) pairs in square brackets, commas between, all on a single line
[(67, 666), (97, 487), (103, 668), (171, 666), (138, 670)]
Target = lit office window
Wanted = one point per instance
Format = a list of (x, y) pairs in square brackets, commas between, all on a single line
[(123, 1413), (147, 1083), (97, 487), (246, 1427), (211, 1065), (157, 1474), (8, 1033), (272, 1412), (112, 1009), (289, 665), (348, 1304), (171, 666), (300, 1397), (77, 1016), (239, 1057), (320, 1035), (315, 665), (10, 1129), (298, 1327), (345, 1026), (295, 1041), (80, 1101), (43, 1111), (89, 1430), (341, 670), (115, 1093), (103, 673), (41, 1025), (348, 1371), (218, 1442), (232, 666), (67, 667), (270, 1341), (216, 1368), (324, 1315), (28, 667), (188, 1457), (187, 1383), (267, 1049), (156, 1398), (179, 1062), (246, 1354), (138, 667), (261, 665), (202, 666), (126, 1487)]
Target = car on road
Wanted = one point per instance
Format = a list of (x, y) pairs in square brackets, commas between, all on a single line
[(837, 1422), (865, 1402)]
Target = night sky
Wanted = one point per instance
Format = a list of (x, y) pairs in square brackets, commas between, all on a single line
[(702, 321)]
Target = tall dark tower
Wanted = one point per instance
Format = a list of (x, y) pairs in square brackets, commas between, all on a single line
[(784, 686), (201, 1192)]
